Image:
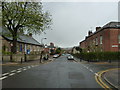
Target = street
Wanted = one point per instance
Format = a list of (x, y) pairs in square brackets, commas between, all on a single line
[(61, 73)]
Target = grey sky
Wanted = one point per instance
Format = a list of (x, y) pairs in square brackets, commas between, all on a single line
[(72, 20)]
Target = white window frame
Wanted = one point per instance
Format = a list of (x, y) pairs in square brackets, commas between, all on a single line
[(96, 41), (101, 39)]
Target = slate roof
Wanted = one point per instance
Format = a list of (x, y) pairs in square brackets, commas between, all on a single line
[(108, 25), (21, 38), (112, 25)]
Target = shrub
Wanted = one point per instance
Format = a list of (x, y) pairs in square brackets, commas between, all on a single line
[(99, 56)]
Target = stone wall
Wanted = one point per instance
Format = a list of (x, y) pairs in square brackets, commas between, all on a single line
[(18, 57)]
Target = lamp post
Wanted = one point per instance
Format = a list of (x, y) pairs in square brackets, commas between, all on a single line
[(25, 57), (42, 41)]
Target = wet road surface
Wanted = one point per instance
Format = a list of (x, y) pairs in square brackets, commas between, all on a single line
[(61, 73)]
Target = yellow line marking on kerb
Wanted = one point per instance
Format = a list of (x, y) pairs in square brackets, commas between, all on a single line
[(99, 80)]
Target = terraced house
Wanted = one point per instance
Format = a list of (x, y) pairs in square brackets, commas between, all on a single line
[(106, 38), (25, 43)]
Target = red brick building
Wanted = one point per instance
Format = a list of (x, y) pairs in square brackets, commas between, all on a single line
[(106, 38)]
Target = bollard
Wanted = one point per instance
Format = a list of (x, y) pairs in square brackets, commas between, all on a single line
[(21, 60), (25, 58), (11, 58), (2, 58)]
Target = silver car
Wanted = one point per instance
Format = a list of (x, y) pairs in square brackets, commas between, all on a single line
[(70, 57)]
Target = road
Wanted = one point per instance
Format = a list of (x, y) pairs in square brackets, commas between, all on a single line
[(61, 73)]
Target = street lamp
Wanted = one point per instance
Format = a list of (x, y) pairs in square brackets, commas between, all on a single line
[(42, 41), (25, 50)]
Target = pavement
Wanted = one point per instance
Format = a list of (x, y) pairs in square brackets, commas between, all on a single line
[(27, 62), (111, 77)]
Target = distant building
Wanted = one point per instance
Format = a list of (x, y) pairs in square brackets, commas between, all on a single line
[(74, 50), (25, 43), (106, 38), (50, 48)]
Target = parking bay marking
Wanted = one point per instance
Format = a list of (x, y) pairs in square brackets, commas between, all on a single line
[(5, 74), (13, 71), (11, 74), (3, 77)]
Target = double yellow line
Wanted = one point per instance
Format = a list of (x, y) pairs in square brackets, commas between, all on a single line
[(98, 77)]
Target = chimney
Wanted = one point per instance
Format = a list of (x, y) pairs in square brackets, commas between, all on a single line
[(89, 33), (98, 28), (30, 34)]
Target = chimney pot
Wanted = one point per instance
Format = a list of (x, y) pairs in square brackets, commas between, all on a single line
[(89, 33), (98, 28)]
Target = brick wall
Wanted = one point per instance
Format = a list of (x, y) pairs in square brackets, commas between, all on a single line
[(109, 41)]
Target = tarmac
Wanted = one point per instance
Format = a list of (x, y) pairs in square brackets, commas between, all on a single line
[(111, 76)]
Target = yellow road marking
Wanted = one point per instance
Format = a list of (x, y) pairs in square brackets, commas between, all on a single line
[(99, 80)]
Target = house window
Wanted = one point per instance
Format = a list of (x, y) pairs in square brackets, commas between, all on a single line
[(96, 40), (4, 48), (119, 38), (20, 48), (101, 40)]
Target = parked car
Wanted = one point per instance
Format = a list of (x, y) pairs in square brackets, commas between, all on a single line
[(70, 57), (56, 56)]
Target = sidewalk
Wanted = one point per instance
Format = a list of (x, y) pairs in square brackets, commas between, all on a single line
[(27, 62), (111, 77)]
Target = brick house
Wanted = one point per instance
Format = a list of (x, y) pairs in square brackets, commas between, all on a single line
[(25, 43), (106, 38)]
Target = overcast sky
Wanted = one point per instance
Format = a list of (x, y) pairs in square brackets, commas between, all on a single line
[(73, 20)]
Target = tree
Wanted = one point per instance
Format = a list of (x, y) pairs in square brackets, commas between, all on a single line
[(58, 50), (18, 17), (78, 49)]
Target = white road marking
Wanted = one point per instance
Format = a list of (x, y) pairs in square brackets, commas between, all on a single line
[(29, 67), (96, 74), (91, 70), (13, 71), (24, 69), (11, 74), (3, 77), (18, 71), (5, 74)]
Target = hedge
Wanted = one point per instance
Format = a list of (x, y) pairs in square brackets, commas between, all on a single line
[(99, 56)]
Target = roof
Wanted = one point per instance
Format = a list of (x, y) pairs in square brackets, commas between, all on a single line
[(112, 25), (21, 38), (108, 25), (115, 25)]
